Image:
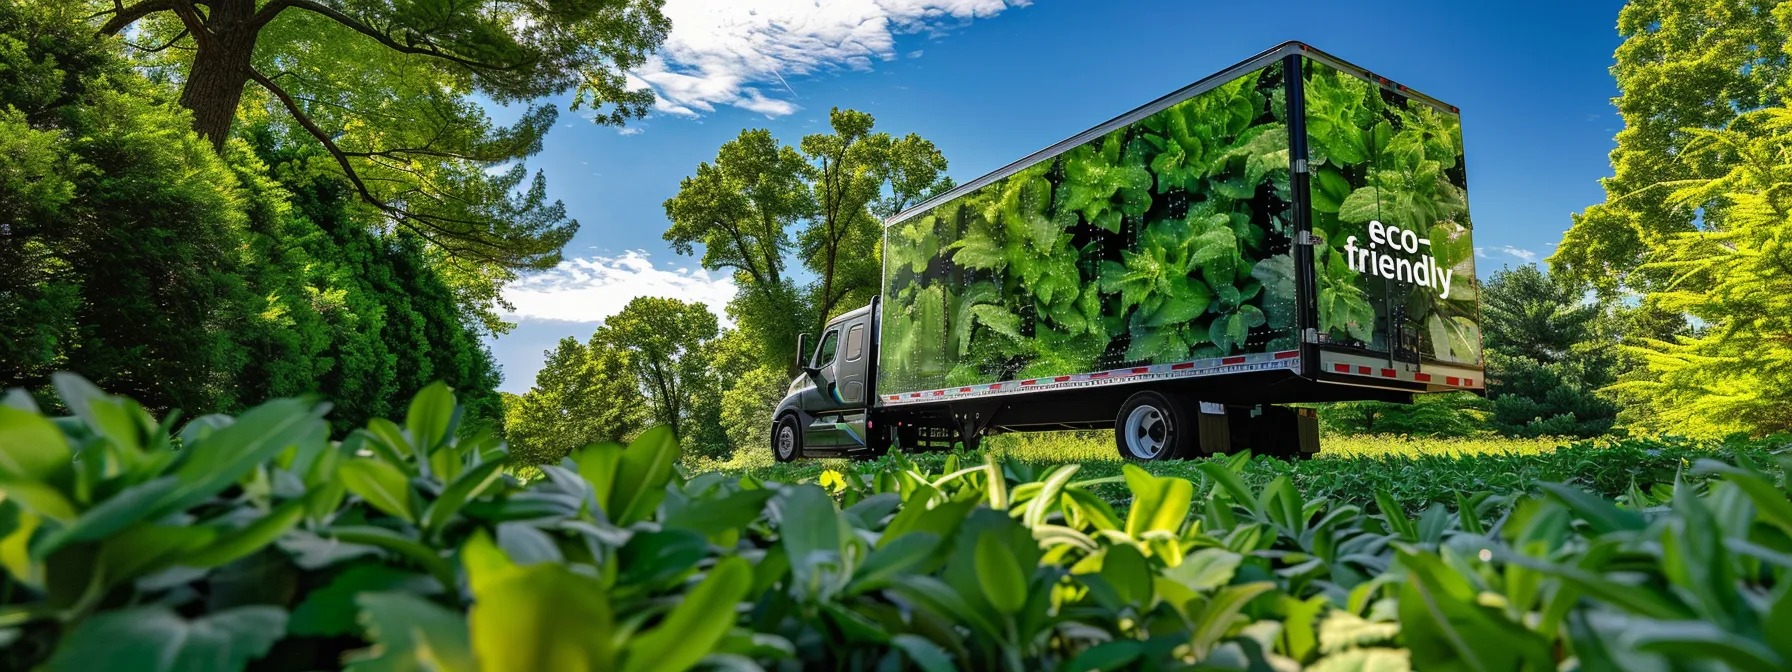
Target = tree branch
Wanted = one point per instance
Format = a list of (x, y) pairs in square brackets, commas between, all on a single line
[(354, 178), (123, 17), (273, 9)]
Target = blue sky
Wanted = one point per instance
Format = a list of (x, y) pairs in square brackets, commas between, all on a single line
[(990, 81)]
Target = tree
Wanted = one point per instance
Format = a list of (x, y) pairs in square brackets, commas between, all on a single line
[(667, 341), (388, 90), (1455, 414), (850, 171), (1684, 64), (133, 253), (836, 190), (1550, 350), (1695, 218), (740, 210), (584, 394)]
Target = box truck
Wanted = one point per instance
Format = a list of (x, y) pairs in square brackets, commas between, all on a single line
[(1292, 230)]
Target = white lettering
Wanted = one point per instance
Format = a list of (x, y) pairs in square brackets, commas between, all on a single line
[(1377, 234), (1446, 282), (1410, 241)]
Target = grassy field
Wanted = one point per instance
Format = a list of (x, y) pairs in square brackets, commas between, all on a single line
[(1350, 468)]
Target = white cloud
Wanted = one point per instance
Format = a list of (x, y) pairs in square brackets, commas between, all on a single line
[(740, 52), (1526, 255), (590, 289), (630, 130)]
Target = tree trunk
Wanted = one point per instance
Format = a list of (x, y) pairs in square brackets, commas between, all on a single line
[(220, 70)]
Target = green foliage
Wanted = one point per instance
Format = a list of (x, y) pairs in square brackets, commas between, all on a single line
[(1694, 219), (1451, 414), (388, 98), (1550, 351), (1159, 242), (585, 393), (404, 547), (192, 279), (834, 192), (1684, 64), (666, 347)]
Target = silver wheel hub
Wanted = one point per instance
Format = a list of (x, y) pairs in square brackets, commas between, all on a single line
[(786, 441), (1146, 432)]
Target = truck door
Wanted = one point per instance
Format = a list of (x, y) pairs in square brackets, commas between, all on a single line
[(850, 369)]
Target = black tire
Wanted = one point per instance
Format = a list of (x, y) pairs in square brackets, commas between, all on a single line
[(1151, 426), (787, 440)]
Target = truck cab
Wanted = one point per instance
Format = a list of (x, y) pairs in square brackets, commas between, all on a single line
[(826, 409)]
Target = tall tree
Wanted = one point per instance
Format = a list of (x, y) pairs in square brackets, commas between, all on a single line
[(667, 342), (1550, 352), (390, 92), (835, 192), (851, 172), (1695, 217), (740, 209), (1684, 64), (584, 393)]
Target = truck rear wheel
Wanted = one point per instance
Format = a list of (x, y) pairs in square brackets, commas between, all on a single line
[(787, 440), (1151, 426)]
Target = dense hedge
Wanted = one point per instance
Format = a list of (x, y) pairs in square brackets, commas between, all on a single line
[(259, 541)]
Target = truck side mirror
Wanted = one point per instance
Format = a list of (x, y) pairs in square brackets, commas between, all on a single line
[(802, 352)]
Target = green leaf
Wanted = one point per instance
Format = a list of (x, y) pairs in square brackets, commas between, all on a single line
[(998, 570), (381, 484), (1365, 660), (1159, 503), (395, 542), (239, 543), (1205, 569), (694, 627), (1107, 657), (410, 634), (1129, 575), (925, 654), (331, 610), (539, 617), (31, 448), (1329, 189), (466, 488), (432, 417), (155, 639), (1601, 515), (642, 474), (1362, 205), (889, 562)]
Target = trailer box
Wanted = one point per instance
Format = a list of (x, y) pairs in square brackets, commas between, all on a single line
[(1293, 229)]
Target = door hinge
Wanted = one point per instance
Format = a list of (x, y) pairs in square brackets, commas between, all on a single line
[(1300, 165), (1312, 335), (1309, 238)]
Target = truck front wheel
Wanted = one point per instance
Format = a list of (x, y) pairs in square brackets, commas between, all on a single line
[(787, 440), (1151, 426)]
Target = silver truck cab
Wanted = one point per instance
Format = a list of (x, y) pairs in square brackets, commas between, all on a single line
[(826, 410)]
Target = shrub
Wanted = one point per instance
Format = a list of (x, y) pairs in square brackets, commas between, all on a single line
[(258, 540)]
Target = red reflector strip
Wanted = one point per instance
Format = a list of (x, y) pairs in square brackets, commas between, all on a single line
[(1291, 354), (895, 397), (1231, 360), (1094, 376), (1468, 382), (1363, 370), (996, 386), (964, 389), (1341, 368), (1029, 382), (939, 393), (1452, 380), (914, 395), (1422, 377), (1060, 379), (1184, 365), (1387, 373), (1142, 369)]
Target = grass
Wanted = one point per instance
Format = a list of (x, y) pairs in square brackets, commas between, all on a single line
[(1416, 471)]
